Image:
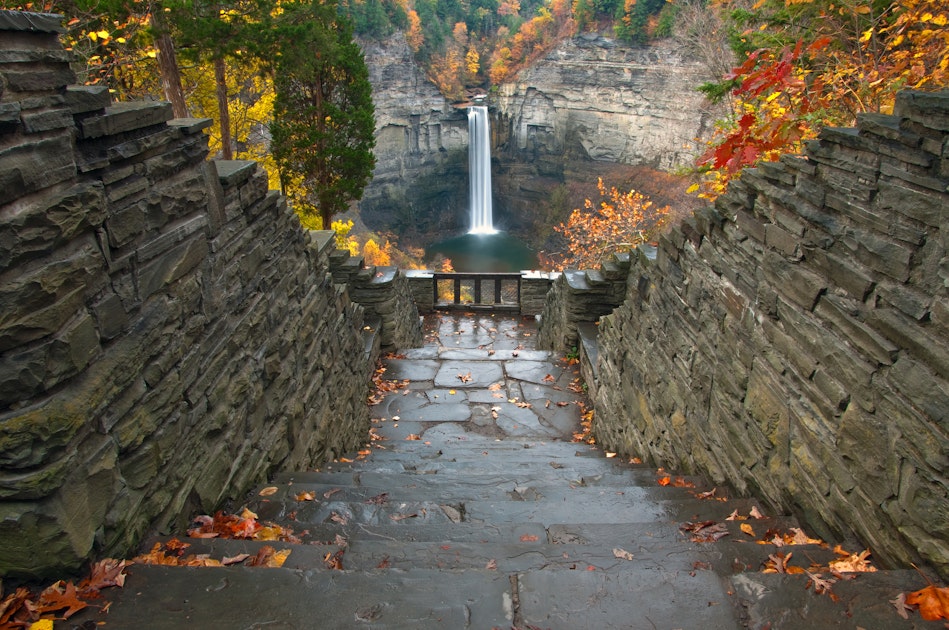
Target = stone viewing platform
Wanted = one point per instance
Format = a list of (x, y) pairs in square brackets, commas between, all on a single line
[(472, 508)]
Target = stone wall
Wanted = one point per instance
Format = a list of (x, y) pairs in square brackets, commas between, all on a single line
[(169, 335), (581, 296), (794, 340)]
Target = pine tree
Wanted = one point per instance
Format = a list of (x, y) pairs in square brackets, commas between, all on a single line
[(323, 127)]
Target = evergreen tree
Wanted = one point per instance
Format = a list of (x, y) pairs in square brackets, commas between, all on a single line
[(324, 120)]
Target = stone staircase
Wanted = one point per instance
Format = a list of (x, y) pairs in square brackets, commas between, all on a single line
[(477, 511)]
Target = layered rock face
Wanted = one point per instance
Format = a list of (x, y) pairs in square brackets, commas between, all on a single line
[(589, 99), (794, 340), (420, 180), (169, 335), (592, 98)]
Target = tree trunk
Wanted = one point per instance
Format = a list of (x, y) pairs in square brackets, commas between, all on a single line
[(168, 66), (220, 80)]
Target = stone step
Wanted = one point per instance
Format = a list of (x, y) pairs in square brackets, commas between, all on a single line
[(429, 487), (784, 602), (244, 597)]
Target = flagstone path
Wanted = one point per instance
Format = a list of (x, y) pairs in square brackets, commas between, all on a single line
[(476, 510)]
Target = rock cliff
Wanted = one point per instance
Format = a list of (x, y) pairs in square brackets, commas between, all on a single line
[(589, 99), (421, 146), (594, 98)]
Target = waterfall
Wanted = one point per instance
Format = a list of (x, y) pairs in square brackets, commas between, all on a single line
[(479, 171)]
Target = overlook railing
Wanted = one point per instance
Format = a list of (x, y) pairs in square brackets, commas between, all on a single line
[(493, 291)]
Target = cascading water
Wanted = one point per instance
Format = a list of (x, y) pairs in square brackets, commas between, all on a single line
[(479, 171)]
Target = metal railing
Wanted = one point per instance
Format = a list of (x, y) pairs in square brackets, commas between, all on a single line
[(488, 291)]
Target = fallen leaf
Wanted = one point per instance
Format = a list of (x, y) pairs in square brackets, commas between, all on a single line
[(42, 624), (622, 554), (664, 481), (746, 528), (562, 403), (268, 491), (464, 378), (754, 513), (822, 584), (705, 531), (379, 499), (384, 563), (452, 392), (528, 538), (402, 517), (229, 560), (933, 602), (330, 493), (492, 565), (900, 604), (851, 562), (549, 378), (610, 455), (58, 596), (494, 387), (413, 436), (105, 573), (334, 561), (337, 518), (305, 496)]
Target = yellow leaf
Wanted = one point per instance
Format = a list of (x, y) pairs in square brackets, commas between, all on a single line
[(152, 54), (42, 624), (746, 528), (278, 558), (103, 34), (120, 40), (93, 36), (691, 189)]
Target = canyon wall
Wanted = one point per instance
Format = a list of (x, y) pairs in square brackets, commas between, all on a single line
[(590, 99), (169, 335), (793, 341), (420, 183), (597, 99)]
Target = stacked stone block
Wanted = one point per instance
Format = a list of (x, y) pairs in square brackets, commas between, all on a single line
[(794, 340), (581, 296), (169, 335)]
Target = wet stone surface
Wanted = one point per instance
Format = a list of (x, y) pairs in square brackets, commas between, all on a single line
[(473, 508)]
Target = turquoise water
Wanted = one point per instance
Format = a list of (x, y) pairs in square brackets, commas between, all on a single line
[(498, 252)]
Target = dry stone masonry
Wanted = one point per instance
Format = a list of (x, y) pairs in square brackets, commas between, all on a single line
[(794, 340), (169, 335)]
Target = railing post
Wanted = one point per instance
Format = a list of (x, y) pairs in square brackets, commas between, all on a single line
[(477, 291), (457, 288)]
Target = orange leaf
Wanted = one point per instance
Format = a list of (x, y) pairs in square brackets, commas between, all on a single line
[(528, 538), (61, 595), (746, 528), (933, 602), (664, 481)]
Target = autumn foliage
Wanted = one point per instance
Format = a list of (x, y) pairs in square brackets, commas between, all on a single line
[(809, 63), (619, 222)]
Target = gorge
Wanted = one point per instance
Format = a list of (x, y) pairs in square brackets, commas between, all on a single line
[(588, 104)]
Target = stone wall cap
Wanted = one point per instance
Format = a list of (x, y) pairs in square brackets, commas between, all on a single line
[(82, 99), (418, 273), (126, 116), (34, 22), (191, 125), (233, 172)]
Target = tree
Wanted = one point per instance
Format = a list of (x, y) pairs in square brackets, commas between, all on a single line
[(621, 221), (323, 126), (809, 63)]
